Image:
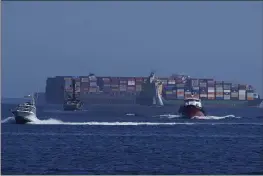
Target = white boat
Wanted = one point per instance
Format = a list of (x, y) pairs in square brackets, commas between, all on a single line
[(25, 112)]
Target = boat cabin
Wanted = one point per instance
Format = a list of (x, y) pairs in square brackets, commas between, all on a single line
[(193, 101)]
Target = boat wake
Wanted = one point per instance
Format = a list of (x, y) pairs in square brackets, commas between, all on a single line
[(52, 121), (170, 116), (9, 120)]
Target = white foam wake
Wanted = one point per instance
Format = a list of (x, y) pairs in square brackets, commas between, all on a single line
[(59, 122), (8, 120), (171, 116)]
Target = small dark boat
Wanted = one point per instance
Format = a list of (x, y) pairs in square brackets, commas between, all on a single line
[(192, 108), (72, 103)]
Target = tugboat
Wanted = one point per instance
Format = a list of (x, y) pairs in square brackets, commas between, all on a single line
[(192, 108), (72, 103), (25, 112)]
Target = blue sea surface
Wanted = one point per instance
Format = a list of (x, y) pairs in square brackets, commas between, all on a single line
[(229, 141)]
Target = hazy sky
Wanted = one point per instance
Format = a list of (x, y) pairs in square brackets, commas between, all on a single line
[(222, 40)]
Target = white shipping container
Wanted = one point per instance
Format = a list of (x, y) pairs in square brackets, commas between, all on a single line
[(227, 91), (131, 83), (242, 92), (171, 81)]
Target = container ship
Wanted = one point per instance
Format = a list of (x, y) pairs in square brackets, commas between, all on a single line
[(172, 90)]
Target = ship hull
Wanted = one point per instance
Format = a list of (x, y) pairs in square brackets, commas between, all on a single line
[(191, 111), (75, 107), (22, 117)]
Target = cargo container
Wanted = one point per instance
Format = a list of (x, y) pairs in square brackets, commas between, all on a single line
[(219, 94), (195, 89), (195, 93), (210, 89), (171, 82), (227, 86), (242, 94), (227, 95), (131, 88), (202, 83), (211, 95), (210, 83), (219, 83), (169, 87), (164, 81), (203, 93), (131, 82), (180, 93), (120, 88), (123, 88), (194, 82), (180, 86), (188, 94)]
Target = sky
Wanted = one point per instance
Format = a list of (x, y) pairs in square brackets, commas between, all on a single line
[(221, 40)]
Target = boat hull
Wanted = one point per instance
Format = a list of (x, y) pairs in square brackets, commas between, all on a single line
[(191, 111), (22, 117)]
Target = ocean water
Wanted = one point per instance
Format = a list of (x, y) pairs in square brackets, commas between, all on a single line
[(228, 141)]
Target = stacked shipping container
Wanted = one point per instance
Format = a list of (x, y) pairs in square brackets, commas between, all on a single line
[(180, 90), (131, 85), (123, 85), (195, 87), (227, 91), (219, 90), (115, 85), (210, 89), (93, 87), (170, 89), (177, 87), (203, 88), (234, 92), (242, 92), (106, 84)]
